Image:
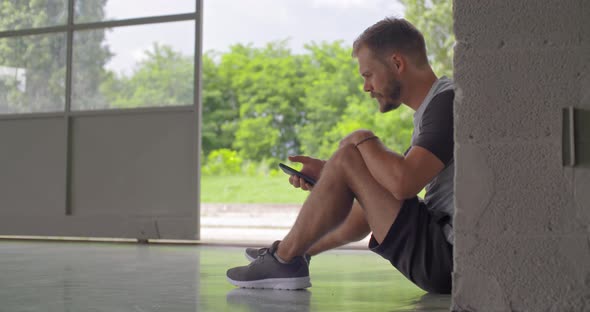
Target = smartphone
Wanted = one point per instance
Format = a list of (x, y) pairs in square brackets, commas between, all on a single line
[(290, 171)]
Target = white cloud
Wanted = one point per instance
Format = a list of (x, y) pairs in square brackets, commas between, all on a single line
[(228, 22), (117, 9), (245, 13), (140, 54), (343, 4)]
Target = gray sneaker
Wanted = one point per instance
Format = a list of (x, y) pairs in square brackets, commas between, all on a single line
[(252, 254), (267, 272)]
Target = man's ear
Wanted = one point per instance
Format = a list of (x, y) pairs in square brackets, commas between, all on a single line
[(398, 61)]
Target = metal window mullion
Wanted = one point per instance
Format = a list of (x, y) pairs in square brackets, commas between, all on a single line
[(33, 31), (67, 109), (97, 25), (132, 111), (197, 56), (137, 21), (69, 51), (198, 108), (101, 112)]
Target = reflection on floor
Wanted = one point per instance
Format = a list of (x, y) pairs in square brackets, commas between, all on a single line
[(77, 276)]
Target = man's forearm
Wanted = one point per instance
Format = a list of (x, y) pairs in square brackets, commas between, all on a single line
[(386, 166)]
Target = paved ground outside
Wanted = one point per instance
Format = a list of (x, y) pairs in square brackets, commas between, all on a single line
[(259, 224)]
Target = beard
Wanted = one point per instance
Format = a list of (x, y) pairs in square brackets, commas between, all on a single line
[(390, 98)]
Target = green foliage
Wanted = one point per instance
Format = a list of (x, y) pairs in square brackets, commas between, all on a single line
[(267, 86), (266, 103), (331, 79), (220, 110), (222, 161), (256, 137), (164, 77), (395, 128), (434, 18), (38, 61)]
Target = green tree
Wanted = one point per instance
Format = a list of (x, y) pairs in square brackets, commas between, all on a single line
[(393, 128), (164, 77), (220, 112), (256, 137), (434, 18), (331, 77), (90, 55), (32, 68), (267, 85), (222, 162)]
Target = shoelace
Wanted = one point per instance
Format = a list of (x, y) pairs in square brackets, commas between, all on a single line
[(262, 251)]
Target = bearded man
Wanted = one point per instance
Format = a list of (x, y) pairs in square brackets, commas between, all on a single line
[(367, 188)]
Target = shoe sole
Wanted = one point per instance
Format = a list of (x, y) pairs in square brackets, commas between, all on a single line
[(274, 283)]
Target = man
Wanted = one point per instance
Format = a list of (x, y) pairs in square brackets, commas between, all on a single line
[(364, 187)]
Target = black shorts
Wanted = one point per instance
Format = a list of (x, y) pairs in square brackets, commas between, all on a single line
[(418, 248)]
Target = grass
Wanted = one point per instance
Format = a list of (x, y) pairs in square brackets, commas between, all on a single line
[(246, 189)]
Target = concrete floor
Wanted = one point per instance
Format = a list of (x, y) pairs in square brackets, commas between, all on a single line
[(85, 276), (246, 223), (241, 223)]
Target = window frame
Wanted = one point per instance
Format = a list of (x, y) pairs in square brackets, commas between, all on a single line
[(68, 115), (70, 27)]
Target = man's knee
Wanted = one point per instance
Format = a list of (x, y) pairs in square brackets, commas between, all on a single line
[(346, 157)]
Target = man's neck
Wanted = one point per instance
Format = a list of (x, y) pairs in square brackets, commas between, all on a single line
[(418, 89)]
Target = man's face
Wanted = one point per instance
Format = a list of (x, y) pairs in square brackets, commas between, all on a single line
[(380, 80)]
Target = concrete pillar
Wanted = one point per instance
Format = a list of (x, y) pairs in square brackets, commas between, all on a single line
[(522, 222)]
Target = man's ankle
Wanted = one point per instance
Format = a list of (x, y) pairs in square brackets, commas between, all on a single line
[(281, 254)]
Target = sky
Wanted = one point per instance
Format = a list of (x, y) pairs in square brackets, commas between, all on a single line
[(228, 22)]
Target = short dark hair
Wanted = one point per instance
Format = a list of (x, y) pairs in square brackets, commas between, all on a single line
[(390, 35)]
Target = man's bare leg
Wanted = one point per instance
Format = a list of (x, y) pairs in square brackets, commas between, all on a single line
[(344, 178), (353, 229)]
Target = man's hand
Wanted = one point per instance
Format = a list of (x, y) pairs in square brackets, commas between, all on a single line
[(311, 167)]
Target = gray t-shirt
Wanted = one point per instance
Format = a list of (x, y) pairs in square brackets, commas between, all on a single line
[(433, 130)]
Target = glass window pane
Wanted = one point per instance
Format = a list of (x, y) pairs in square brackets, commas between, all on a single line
[(134, 66), (32, 73), (87, 10), (24, 14)]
